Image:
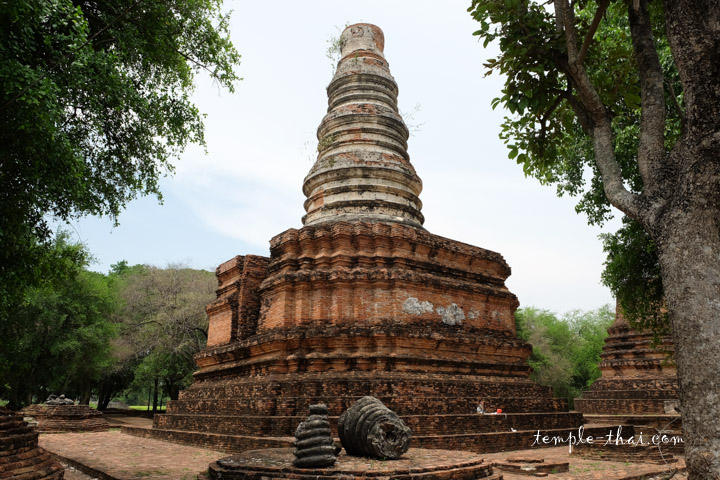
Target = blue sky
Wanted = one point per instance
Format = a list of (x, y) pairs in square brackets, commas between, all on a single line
[(261, 144)]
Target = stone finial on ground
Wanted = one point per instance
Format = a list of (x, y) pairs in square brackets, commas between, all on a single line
[(368, 428), (314, 445)]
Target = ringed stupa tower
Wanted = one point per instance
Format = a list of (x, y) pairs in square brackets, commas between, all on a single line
[(362, 300), (363, 171)]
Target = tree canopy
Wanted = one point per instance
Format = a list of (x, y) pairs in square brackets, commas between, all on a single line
[(566, 350), (163, 324), (548, 132), (58, 338), (95, 103), (83, 334)]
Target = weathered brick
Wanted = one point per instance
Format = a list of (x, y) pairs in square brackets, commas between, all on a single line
[(20, 456), (66, 418)]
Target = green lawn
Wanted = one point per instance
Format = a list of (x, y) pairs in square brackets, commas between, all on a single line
[(145, 408)]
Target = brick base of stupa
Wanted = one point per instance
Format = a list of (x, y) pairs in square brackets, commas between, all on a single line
[(20, 456), (638, 384), (345, 310), (235, 415), (66, 418)]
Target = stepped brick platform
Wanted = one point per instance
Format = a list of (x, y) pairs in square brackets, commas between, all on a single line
[(417, 464), (638, 384), (124, 457), (363, 301), (638, 389), (66, 418), (20, 456)]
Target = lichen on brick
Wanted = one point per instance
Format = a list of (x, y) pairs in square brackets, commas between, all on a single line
[(451, 315), (413, 306)]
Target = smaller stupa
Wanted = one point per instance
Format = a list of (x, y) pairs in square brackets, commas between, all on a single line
[(639, 381), (20, 456), (59, 414)]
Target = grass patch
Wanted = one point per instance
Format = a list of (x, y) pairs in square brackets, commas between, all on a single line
[(144, 408)]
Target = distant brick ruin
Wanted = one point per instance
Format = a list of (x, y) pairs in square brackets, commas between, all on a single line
[(639, 383), (362, 300), (66, 418), (638, 389), (20, 456)]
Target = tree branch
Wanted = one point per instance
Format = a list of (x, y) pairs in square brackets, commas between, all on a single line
[(593, 28), (598, 122), (651, 145), (679, 109), (546, 116), (204, 332), (566, 22), (580, 111)]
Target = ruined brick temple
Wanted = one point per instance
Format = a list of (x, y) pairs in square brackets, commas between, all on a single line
[(638, 389), (639, 383), (66, 418), (362, 300)]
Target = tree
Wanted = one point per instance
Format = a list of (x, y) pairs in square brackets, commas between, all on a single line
[(587, 80), (632, 272), (125, 358), (95, 101), (163, 323), (566, 351), (58, 340)]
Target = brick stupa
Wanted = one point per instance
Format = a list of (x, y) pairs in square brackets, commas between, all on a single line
[(639, 383), (363, 301), (20, 456), (66, 418)]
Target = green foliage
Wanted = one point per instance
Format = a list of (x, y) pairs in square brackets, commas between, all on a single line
[(546, 135), (82, 333), (633, 274), (334, 49), (96, 103), (163, 323), (566, 351), (58, 339)]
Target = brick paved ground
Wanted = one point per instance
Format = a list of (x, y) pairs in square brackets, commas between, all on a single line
[(582, 469), (124, 457), (117, 456)]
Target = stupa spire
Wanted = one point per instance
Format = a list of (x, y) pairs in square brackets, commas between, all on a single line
[(363, 170)]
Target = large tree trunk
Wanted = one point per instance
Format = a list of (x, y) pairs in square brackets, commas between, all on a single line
[(85, 395), (692, 290), (105, 394), (174, 392), (688, 231), (689, 252)]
